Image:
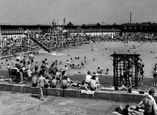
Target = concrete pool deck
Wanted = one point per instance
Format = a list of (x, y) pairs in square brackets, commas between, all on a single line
[(118, 96)]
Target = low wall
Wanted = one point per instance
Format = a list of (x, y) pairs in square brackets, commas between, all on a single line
[(106, 95)]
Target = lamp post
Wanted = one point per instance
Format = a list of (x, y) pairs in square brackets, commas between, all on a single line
[(91, 31), (113, 32), (27, 32), (100, 31)]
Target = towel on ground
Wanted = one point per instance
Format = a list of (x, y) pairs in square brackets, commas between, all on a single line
[(87, 92)]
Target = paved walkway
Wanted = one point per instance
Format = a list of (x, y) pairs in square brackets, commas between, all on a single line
[(24, 104)]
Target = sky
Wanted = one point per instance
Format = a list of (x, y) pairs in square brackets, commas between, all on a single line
[(77, 11)]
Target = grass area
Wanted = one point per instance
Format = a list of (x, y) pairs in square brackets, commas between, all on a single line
[(24, 104)]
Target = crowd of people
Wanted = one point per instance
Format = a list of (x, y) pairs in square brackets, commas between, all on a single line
[(125, 37), (126, 74), (60, 41), (45, 76), (24, 43), (26, 70), (146, 106)]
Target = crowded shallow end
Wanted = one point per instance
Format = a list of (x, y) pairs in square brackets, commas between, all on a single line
[(98, 55)]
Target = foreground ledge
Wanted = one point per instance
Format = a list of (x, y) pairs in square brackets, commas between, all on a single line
[(75, 93)]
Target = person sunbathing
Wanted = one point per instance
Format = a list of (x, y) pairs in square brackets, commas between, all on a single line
[(123, 87), (127, 110), (83, 86)]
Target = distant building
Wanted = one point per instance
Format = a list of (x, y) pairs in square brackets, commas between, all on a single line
[(139, 27), (19, 30), (97, 29)]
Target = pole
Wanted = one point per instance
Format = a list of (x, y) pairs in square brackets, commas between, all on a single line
[(0, 37), (64, 21), (130, 17)]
